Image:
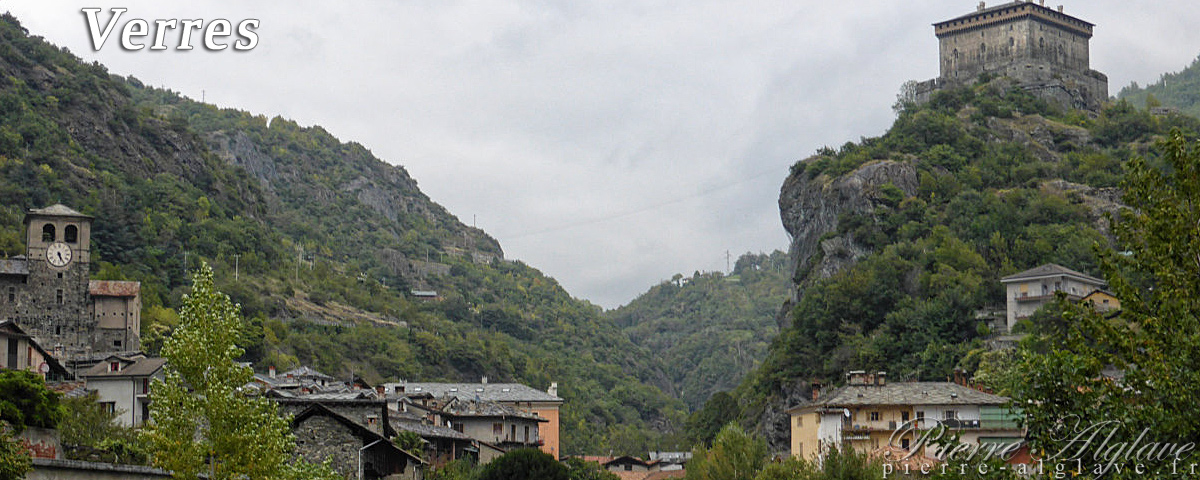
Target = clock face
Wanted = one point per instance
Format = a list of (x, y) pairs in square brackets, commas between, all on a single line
[(58, 254)]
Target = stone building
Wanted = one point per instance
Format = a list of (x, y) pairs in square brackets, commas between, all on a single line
[(48, 291), (1044, 50)]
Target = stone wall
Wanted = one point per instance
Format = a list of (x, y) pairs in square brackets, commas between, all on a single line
[(45, 469), (320, 437)]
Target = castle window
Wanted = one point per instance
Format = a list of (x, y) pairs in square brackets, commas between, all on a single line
[(58, 296), (71, 234), (12, 294), (48, 233)]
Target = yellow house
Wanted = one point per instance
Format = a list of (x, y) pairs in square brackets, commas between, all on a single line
[(1102, 301), (869, 413)]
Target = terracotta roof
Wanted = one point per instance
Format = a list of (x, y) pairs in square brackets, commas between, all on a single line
[(56, 210), (906, 393), (666, 474), (113, 288), (135, 367), (1051, 270), (500, 392), (14, 266)]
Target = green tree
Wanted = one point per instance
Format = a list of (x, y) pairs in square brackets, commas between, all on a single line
[(735, 455), (203, 421), (524, 464), (26, 402), (87, 423), (1154, 340), (578, 469), (14, 460)]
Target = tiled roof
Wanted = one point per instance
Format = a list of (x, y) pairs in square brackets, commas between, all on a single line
[(1049, 270), (485, 408), (305, 371), (57, 210), (140, 367), (113, 288), (499, 392), (908, 393), (14, 266), (426, 430)]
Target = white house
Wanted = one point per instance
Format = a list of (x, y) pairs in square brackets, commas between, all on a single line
[(1027, 291), (123, 385)]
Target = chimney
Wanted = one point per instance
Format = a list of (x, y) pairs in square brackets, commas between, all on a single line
[(982, 6), (1060, 9), (816, 390), (271, 371), (857, 378), (1042, 2), (960, 377), (553, 390), (483, 380), (379, 390), (881, 379)]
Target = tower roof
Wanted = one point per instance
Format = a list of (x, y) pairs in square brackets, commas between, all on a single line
[(1010, 11), (56, 210), (1052, 270)]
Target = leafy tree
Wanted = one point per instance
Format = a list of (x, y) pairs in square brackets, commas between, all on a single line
[(735, 455), (410, 442), (26, 402), (1154, 340), (87, 423), (524, 464), (203, 421), (578, 469), (14, 460)]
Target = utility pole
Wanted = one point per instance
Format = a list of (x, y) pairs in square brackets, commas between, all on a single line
[(185, 264), (299, 254), (235, 266), (727, 270)]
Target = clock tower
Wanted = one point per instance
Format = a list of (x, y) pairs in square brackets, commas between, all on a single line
[(54, 304)]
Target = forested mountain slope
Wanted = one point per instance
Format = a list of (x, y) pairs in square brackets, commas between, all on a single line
[(327, 242), (1179, 90), (899, 241), (710, 329)]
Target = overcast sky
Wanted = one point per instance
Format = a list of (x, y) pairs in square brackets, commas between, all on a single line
[(610, 144)]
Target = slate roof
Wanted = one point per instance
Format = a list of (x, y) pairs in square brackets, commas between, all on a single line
[(486, 408), (305, 372), (906, 393), (57, 210), (14, 266), (141, 367), (1051, 270), (426, 430), (497, 392), (113, 288)]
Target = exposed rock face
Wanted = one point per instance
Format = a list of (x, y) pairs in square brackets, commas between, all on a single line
[(810, 209), (238, 149)]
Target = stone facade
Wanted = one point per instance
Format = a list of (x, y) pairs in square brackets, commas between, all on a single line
[(46, 290), (1046, 51)]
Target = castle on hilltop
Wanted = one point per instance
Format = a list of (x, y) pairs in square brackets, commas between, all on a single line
[(1044, 50)]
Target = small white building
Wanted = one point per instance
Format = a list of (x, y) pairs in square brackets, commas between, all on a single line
[(1027, 291), (123, 385)]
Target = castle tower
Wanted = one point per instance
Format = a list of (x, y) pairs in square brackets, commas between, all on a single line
[(1045, 50), (53, 306)]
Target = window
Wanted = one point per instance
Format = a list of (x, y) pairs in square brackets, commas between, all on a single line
[(628, 467), (114, 367), (58, 296), (48, 233), (12, 353), (951, 415), (527, 439), (372, 421), (512, 433), (12, 294), (497, 429), (874, 416), (799, 421), (904, 443), (904, 416), (71, 234), (145, 386), (117, 343), (109, 407), (920, 414)]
